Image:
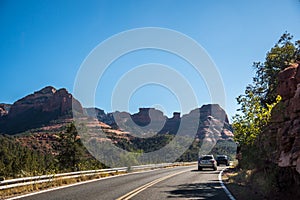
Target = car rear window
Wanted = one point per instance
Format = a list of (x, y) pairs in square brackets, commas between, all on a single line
[(206, 158), (222, 157)]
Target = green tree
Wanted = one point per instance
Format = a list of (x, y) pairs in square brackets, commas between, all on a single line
[(71, 149), (283, 54), (17, 160), (253, 118)]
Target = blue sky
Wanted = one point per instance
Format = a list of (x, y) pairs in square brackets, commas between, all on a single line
[(44, 43)]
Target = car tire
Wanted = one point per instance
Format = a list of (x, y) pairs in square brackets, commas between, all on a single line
[(215, 168), (199, 168)]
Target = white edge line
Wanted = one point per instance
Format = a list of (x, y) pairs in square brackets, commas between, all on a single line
[(228, 193), (79, 183)]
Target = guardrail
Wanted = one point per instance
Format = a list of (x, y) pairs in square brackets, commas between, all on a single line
[(18, 182)]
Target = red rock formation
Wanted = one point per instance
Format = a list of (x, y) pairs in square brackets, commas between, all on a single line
[(283, 133), (46, 100), (287, 82), (147, 115), (289, 131), (281, 139), (215, 111), (38, 109)]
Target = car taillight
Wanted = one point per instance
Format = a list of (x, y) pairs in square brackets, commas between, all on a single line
[(212, 161)]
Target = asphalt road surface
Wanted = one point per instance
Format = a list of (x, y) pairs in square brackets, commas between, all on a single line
[(172, 183)]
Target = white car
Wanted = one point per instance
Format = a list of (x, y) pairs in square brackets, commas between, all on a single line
[(207, 161)]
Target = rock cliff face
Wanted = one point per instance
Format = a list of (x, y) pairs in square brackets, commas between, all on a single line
[(286, 119), (213, 122), (146, 116), (38, 109), (215, 111), (281, 139)]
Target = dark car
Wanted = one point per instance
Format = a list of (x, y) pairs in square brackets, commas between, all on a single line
[(207, 161), (222, 159)]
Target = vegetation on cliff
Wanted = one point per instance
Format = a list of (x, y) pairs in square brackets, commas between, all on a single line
[(254, 114)]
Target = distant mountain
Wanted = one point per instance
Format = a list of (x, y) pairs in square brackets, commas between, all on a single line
[(49, 104), (150, 130), (46, 113), (211, 121), (37, 109)]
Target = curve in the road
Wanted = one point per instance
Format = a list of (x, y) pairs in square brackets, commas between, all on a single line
[(131, 194), (178, 182)]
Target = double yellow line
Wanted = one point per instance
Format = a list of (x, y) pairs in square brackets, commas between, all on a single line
[(140, 189)]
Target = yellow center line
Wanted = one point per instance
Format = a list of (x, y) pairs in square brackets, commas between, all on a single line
[(140, 189)]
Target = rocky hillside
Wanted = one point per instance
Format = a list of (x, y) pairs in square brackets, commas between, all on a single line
[(49, 104), (43, 115), (288, 121), (282, 137), (37, 109)]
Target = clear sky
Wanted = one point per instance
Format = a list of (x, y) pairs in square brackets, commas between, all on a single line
[(44, 43)]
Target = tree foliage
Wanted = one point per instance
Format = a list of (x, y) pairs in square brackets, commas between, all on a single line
[(283, 54), (253, 119), (71, 149), (18, 161), (73, 156), (261, 96)]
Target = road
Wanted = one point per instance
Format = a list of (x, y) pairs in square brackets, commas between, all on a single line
[(171, 183)]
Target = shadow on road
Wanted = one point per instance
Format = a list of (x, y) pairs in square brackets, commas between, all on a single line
[(210, 191)]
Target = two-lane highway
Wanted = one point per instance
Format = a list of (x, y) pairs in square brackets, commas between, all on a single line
[(177, 183), (190, 185)]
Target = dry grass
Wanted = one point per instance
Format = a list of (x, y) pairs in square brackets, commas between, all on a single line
[(243, 184)]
